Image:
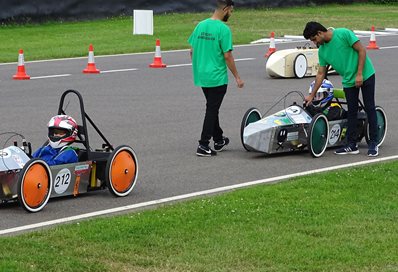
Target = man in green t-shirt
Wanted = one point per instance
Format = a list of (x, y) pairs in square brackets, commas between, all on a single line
[(342, 49), (211, 53)]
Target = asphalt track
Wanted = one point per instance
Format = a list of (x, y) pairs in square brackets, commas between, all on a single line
[(159, 113)]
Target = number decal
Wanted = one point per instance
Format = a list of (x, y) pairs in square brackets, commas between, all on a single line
[(335, 132), (62, 181)]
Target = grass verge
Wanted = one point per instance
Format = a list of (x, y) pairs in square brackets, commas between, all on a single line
[(114, 36), (340, 221)]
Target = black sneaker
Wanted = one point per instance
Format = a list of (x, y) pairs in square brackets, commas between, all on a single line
[(219, 145), (373, 150), (205, 151), (348, 149)]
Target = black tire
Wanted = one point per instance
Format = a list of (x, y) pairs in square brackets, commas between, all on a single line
[(300, 66), (319, 135), (34, 185), (381, 127), (361, 129), (121, 171), (252, 115)]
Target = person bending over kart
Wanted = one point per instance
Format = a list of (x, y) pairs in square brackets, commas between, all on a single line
[(322, 102), (62, 131), (342, 49)]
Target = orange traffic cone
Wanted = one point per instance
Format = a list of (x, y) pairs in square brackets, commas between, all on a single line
[(21, 74), (91, 69), (272, 47), (372, 43), (157, 60)]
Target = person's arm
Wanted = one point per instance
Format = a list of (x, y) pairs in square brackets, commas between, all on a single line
[(320, 76), (36, 154), (190, 53), (229, 59), (361, 62)]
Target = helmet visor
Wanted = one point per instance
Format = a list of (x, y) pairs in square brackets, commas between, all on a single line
[(56, 134), (319, 95)]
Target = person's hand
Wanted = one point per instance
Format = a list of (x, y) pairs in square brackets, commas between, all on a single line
[(239, 82), (308, 99), (358, 80)]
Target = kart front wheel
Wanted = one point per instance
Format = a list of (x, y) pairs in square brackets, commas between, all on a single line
[(300, 66), (319, 135), (34, 185), (121, 171), (252, 115), (381, 123)]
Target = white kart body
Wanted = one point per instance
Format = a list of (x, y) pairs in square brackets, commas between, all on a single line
[(288, 63), (12, 158)]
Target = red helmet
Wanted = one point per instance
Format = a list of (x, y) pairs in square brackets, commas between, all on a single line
[(62, 130)]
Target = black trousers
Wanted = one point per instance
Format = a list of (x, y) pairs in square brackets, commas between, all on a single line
[(368, 96), (211, 124)]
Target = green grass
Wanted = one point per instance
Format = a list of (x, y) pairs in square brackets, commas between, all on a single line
[(113, 36), (341, 221)]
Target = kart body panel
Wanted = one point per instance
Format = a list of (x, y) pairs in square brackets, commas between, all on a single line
[(12, 159), (282, 63)]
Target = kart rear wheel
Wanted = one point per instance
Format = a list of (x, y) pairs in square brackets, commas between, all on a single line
[(361, 129), (34, 185), (252, 115), (300, 66), (381, 127), (121, 171), (319, 135)]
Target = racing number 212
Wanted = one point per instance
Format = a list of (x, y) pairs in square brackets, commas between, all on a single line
[(64, 179)]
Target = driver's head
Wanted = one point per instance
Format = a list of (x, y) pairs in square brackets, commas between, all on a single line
[(62, 130), (323, 96)]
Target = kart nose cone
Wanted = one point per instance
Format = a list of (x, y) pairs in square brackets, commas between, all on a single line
[(257, 137)]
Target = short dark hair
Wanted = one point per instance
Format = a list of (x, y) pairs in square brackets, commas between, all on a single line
[(224, 3), (312, 28)]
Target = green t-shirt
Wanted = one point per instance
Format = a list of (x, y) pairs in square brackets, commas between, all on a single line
[(340, 54), (210, 40)]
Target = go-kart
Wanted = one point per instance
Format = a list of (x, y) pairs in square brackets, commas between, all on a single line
[(32, 182), (294, 128), (298, 62)]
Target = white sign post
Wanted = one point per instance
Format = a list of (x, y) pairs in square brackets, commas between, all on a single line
[(143, 22)]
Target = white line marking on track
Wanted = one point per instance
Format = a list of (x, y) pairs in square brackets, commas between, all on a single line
[(296, 37), (389, 47), (130, 69), (179, 65), (391, 29), (190, 64), (50, 76), (365, 32), (190, 195), (244, 59), (119, 70)]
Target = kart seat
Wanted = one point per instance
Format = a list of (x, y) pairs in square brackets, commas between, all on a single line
[(82, 155), (339, 94)]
